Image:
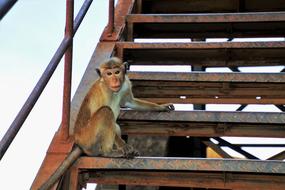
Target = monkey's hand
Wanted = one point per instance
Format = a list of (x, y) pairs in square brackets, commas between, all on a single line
[(168, 107)]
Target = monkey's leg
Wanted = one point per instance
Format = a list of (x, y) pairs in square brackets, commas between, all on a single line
[(128, 150), (97, 138)]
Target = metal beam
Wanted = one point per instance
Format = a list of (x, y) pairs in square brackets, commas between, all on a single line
[(216, 148), (205, 117), (182, 164), (207, 17), (208, 180), (202, 45), (201, 124), (65, 117), (258, 145), (213, 100), (241, 107), (118, 21), (279, 156), (281, 107), (234, 69), (236, 148), (201, 87), (206, 25), (206, 77), (200, 129)]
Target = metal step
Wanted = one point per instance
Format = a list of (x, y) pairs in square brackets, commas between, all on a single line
[(206, 25), (206, 88), (182, 172), (203, 123), (226, 54), (207, 6)]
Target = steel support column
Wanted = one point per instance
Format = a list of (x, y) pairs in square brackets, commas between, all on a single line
[(64, 130)]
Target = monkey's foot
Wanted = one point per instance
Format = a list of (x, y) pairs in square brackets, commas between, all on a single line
[(130, 152)]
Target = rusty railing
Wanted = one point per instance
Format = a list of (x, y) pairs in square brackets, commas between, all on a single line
[(65, 48), (5, 6)]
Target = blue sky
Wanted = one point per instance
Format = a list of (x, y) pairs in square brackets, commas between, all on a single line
[(29, 35)]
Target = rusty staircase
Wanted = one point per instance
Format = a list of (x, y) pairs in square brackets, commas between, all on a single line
[(196, 20)]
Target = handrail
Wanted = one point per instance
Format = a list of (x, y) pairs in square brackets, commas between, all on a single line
[(38, 89), (5, 6)]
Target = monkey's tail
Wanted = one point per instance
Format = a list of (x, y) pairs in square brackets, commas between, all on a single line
[(73, 155)]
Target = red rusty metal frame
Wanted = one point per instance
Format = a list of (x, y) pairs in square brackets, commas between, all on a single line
[(5, 6), (182, 164), (207, 180), (221, 173), (111, 17), (116, 23), (38, 89), (67, 72)]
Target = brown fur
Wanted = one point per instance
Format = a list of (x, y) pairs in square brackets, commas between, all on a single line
[(96, 132)]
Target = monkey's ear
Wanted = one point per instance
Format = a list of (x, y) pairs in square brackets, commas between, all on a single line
[(98, 72), (126, 65)]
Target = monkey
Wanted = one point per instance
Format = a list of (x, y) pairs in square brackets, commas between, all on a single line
[(96, 132)]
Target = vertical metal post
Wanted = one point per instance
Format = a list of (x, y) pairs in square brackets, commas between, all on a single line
[(64, 130), (111, 17)]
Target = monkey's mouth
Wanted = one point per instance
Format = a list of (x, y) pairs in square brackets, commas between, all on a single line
[(115, 88)]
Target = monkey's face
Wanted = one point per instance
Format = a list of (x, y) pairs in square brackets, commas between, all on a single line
[(113, 78)]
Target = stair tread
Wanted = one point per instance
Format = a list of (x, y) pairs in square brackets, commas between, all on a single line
[(207, 17), (200, 45), (182, 164), (204, 88), (223, 54), (206, 25), (203, 76), (205, 116), (184, 6)]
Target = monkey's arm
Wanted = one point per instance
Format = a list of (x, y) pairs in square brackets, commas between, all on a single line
[(142, 105), (130, 101)]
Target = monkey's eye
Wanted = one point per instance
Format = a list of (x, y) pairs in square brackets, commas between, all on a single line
[(117, 72), (109, 73)]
